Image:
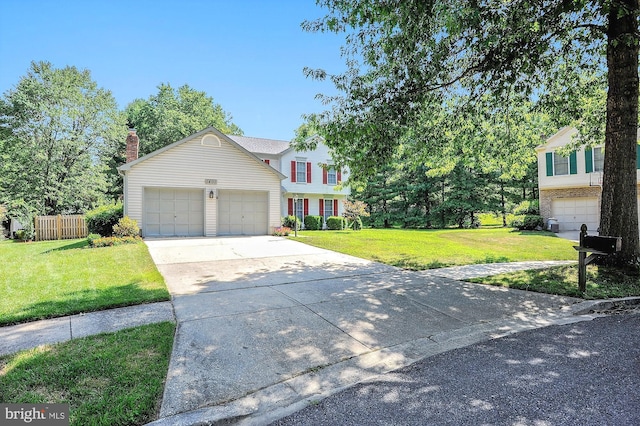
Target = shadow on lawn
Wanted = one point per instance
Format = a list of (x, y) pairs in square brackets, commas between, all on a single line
[(86, 301), (71, 246)]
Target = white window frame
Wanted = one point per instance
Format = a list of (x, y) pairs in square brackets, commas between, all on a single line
[(299, 209), (555, 162), (598, 164), (301, 163), (329, 203), (332, 176)]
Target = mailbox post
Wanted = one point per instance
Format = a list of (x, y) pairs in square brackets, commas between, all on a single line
[(596, 245)]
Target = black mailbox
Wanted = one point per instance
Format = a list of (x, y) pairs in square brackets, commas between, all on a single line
[(603, 244)]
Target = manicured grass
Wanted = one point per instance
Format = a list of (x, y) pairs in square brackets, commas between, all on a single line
[(426, 249), (108, 379), (56, 278), (602, 282)]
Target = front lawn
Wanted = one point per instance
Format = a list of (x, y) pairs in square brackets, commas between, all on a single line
[(602, 282), (56, 278), (427, 249), (108, 379)]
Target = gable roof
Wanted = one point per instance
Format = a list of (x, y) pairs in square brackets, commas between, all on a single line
[(560, 138), (260, 145), (201, 133)]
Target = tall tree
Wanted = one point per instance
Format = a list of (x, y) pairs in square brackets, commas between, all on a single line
[(401, 54), (173, 114), (56, 128)]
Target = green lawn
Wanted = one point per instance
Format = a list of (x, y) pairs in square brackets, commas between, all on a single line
[(56, 278), (108, 379), (426, 249), (602, 282)]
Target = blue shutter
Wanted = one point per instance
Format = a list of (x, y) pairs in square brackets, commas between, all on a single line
[(573, 163), (588, 160), (637, 157), (549, 158)]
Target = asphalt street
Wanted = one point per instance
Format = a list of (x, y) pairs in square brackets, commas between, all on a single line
[(586, 373)]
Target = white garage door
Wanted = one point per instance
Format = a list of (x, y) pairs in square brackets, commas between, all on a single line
[(242, 213), (573, 212), (172, 212)]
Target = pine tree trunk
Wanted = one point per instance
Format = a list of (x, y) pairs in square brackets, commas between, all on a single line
[(619, 208)]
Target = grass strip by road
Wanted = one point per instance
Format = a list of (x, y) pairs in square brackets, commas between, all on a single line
[(56, 278), (428, 249), (108, 379), (602, 282)]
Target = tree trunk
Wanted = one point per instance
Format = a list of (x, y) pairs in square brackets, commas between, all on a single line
[(619, 208)]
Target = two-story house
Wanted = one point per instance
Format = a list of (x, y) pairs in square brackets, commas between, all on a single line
[(212, 184), (313, 185), (571, 186)]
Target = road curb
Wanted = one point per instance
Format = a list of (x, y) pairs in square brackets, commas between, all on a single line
[(605, 305)]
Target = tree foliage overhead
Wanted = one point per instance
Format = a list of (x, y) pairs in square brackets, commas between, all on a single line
[(407, 58), (56, 129), (173, 114)]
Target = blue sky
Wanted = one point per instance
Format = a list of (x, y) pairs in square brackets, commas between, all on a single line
[(247, 54)]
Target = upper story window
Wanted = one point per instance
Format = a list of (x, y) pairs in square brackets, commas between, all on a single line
[(332, 176), (594, 159), (557, 165), (300, 171), (560, 165)]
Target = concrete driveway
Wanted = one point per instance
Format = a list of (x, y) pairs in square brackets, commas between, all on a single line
[(266, 322)]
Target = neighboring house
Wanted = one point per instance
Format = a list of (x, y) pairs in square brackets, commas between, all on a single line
[(212, 184), (570, 186)]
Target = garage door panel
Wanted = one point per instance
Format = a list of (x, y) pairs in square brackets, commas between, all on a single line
[(571, 213), (242, 213), (170, 212)]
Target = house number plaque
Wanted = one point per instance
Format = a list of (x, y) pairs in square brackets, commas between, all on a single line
[(211, 181)]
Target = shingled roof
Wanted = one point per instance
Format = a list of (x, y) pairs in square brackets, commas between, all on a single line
[(260, 145)]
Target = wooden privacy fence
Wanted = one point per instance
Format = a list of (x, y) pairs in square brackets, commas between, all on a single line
[(60, 227)]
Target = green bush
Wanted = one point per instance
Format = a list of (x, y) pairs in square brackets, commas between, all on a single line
[(113, 241), (527, 222), (102, 219), (291, 222), (24, 235), (126, 227), (92, 237), (527, 207), (335, 222), (313, 223)]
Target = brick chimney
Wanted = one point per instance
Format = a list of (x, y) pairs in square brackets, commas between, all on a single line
[(132, 145)]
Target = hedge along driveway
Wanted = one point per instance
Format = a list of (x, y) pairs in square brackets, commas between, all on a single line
[(56, 278), (426, 249)]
